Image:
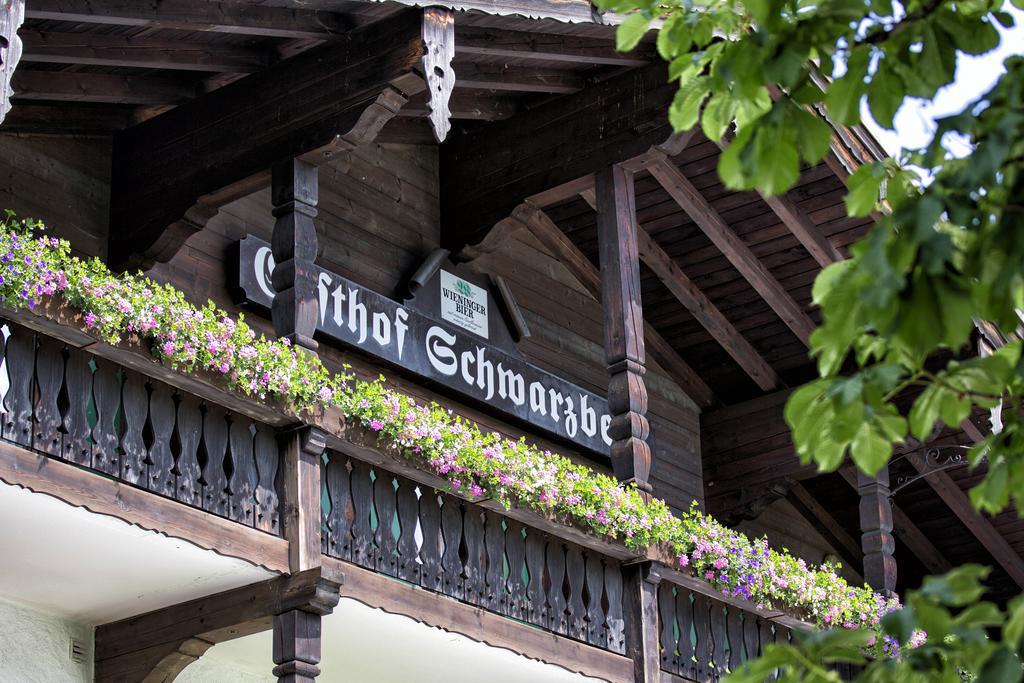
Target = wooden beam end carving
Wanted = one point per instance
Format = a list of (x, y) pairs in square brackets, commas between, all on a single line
[(12, 15), (439, 51)]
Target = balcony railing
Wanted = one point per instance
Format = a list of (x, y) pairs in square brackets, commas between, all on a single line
[(145, 427)]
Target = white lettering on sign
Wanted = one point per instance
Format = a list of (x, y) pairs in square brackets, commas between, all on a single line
[(464, 304)]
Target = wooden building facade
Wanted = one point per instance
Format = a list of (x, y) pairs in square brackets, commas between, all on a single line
[(382, 146)]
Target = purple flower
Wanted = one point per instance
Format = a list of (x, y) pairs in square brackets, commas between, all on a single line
[(376, 425), (90, 319)]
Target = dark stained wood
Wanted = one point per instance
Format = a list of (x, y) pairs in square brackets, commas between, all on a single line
[(223, 17), (669, 629), (158, 644), (432, 548), (488, 171), (825, 524), (640, 608), (362, 504), (960, 505), (20, 363), (876, 538), (507, 79), (623, 326), (267, 457), (106, 496), (439, 51), (597, 632), (474, 586), (536, 610), (12, 14), (296, 650), (106, 436), (141, 52), (515, 551), (213, 453), (494, 597), (294, 244), (134, 409), (539, 46), (575, 568), (809, 234), (189, 488), (385, 501), (78, 382), (557, 604), (300, 105), (705, 312), (300, 496), (451, 562), (718, 231), (242, 484), (545, 230), (408, 512), (160, 473), (67, 86), (49, 379)]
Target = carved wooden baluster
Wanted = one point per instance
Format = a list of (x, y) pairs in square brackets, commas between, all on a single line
[(557, 604), (162, 410), (188, 427), (476, 554), (495, 595), (337, 542), (49, 379), (684, 616), (575, 570), (734, 631), (536, 611), (751, 647), (705, 648), (613, 590), (78, 388), (215, 449), (766, 634), (243, 477), (268, 461), (451, 561), (669, 627), (408, 512), (387, 545), (515, 551), (431, 550), (362, 505), (134, 408), (106, 388), (21, 361), (720, 638), (623, 326), (596, 633)]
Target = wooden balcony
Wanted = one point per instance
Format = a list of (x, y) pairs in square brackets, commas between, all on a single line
[(111, 429)]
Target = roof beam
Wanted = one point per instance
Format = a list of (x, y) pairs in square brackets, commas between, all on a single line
[(906, 531), (520, 45), (316, 100), (705, 312), (138, 52), (501, 79), (960, 505), (71, 86), (486, 172), (549, 234), (825, 524), (732, 247), (221, 17), (804, 229)]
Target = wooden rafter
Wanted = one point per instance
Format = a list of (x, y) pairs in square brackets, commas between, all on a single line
[(907, 532), (142, 52), (330, 97), (504, 79), (804, 229), (960, 505), (549, 234), (818, 516), (732, 247), (69, 86), (520, 45), (222, 17)]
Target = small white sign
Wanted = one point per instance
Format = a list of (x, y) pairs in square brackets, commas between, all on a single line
[(464, 304)]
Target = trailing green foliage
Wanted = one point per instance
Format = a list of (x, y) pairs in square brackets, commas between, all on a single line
[(474, 462)]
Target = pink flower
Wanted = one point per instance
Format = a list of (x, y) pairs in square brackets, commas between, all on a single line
[(90, 319), (167, 349), (376, 425), (683, 560)]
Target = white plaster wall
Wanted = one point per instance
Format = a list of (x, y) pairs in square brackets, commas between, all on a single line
[(208, 669), (35, 647)]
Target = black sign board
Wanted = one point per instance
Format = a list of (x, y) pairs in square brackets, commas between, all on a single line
[(448, 345)]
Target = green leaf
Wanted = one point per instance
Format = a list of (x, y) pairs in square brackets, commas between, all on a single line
[(870, 449), (842, 99), (958, 587), (813, 136), (885, 95), (864, 186), (718, 114), (1013, 631), (686, 104), (900, 624), (631, 31), (1003, 666)]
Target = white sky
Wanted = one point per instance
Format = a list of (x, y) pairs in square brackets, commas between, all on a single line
[(915, 121)]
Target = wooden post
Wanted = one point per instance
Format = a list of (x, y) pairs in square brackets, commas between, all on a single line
[(877, 540), (294, 196), (301, 452), (297, 646), (640, 610), (12, 15), (623, 326)]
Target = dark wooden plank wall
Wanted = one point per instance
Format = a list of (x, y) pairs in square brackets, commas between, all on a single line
[(63, 182)]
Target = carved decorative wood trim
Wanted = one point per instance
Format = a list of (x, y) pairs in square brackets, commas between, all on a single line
[(439, 46), (12, 15)]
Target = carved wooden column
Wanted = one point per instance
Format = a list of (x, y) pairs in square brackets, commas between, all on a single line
[(623, 326), (640, 611), (877, 540), (294, 196), (12, 16), (301, 453), (297, 646)]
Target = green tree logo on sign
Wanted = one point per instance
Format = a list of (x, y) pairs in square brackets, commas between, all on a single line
[(463, 288)]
